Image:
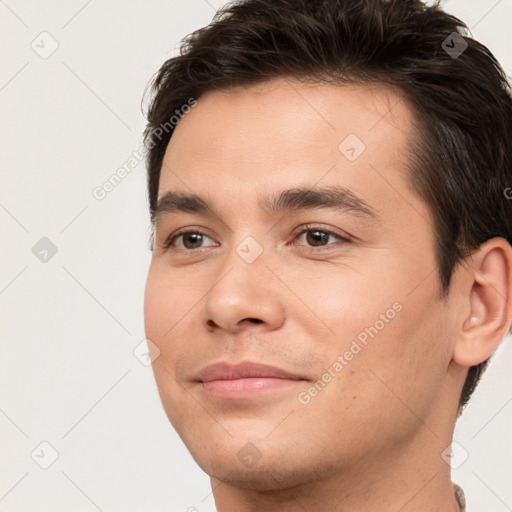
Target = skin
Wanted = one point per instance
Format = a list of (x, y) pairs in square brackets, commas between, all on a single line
[(372, 438)]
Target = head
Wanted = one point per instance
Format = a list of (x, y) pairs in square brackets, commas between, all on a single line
[(365, 98)]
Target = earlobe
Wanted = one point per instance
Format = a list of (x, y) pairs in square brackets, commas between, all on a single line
[(490, 296)]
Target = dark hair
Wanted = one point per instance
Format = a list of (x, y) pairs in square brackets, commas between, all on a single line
[(460, 161)]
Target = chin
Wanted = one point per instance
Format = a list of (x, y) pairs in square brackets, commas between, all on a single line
[(262, 477), (266, 465)]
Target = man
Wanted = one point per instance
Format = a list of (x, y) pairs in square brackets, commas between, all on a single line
[(331, 267)]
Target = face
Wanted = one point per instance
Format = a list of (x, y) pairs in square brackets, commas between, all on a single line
[(334, 292)]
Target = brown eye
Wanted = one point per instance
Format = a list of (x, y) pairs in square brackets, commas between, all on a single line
[(317, 238), (190, 240)]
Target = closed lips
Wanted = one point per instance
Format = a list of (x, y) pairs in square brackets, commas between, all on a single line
[(244, 370)]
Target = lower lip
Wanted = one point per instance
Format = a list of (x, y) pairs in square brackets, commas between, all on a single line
[(247, 387)]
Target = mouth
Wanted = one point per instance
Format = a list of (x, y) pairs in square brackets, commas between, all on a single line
[(245, 380)]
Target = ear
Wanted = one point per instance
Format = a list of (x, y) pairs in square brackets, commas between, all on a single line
[(489, 275)]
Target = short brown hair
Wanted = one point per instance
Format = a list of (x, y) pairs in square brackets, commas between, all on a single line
[(461, 148)]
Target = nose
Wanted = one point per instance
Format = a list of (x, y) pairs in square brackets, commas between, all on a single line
[(245, 295)]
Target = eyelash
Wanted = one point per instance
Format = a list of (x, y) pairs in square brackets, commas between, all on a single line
[(167, 244)]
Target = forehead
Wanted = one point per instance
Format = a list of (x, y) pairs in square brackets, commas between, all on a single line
[(299, 113), (250, 141)]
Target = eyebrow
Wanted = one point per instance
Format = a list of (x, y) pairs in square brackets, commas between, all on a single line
[(290, 200)]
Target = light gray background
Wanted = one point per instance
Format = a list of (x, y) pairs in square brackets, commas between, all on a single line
[(68, 375)]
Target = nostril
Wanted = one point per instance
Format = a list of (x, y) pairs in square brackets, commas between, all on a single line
[(255, 320)]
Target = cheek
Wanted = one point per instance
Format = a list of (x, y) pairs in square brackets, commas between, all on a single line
[(392, 342), (154, 299), (166, 301), (171, 319), (163, 308), (348, 302), (403, 366)]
